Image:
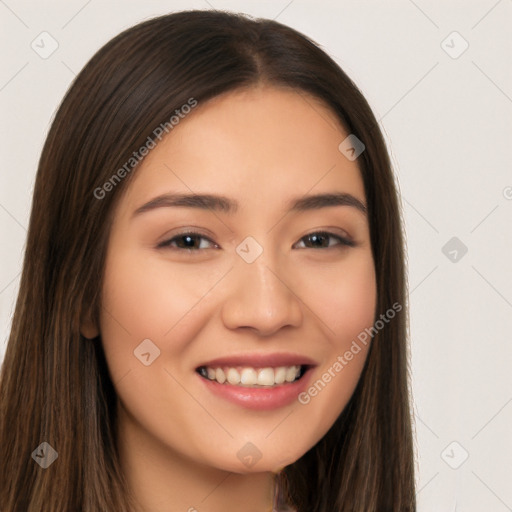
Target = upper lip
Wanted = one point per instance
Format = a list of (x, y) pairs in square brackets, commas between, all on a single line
[(260, 360)]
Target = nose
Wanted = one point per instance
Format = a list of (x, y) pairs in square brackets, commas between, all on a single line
[(260, 298)]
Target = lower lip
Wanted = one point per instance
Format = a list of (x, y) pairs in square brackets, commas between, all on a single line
[(259, 398)]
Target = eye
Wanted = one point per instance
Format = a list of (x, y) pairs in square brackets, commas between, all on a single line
[(196, 241), (321, 240), (187, 241)]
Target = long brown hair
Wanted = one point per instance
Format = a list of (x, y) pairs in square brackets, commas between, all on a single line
[(55, 386)]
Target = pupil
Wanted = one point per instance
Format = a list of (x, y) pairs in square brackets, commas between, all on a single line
[(318, 238), (189, 240)]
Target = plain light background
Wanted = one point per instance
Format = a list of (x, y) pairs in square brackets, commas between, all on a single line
[(446, 111)]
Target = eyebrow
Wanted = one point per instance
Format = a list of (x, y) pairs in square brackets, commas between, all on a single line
[(226, 205)]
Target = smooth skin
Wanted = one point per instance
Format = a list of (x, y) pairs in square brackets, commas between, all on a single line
[(197, 299)]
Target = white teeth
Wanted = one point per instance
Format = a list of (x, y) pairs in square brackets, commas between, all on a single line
[(220, 376), (291, 373), (249, 377), (280, 375), (252, 377), (233, 376), (266, 377)]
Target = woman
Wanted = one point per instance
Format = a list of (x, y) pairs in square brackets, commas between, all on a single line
[(266, 365)]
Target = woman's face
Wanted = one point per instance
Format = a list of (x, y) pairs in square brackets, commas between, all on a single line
[(241, 284)]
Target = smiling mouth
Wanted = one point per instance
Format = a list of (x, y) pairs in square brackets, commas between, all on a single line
[(251, 377)]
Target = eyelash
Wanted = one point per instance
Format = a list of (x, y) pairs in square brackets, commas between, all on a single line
[(166, 244)]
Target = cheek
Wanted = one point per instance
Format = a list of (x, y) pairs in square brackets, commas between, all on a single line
[(143, 300), (147, 298), (346, 310), (344, 298), (138, 303), (143, 297)]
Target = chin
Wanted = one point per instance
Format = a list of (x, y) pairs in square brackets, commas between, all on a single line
[(272, 464)]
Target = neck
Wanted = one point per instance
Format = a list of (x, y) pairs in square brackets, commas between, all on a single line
[(162, 480)]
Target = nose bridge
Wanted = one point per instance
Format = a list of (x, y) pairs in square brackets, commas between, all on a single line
[(259, 296)]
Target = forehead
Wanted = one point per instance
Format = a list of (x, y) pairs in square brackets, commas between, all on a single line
[(262, 141)]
